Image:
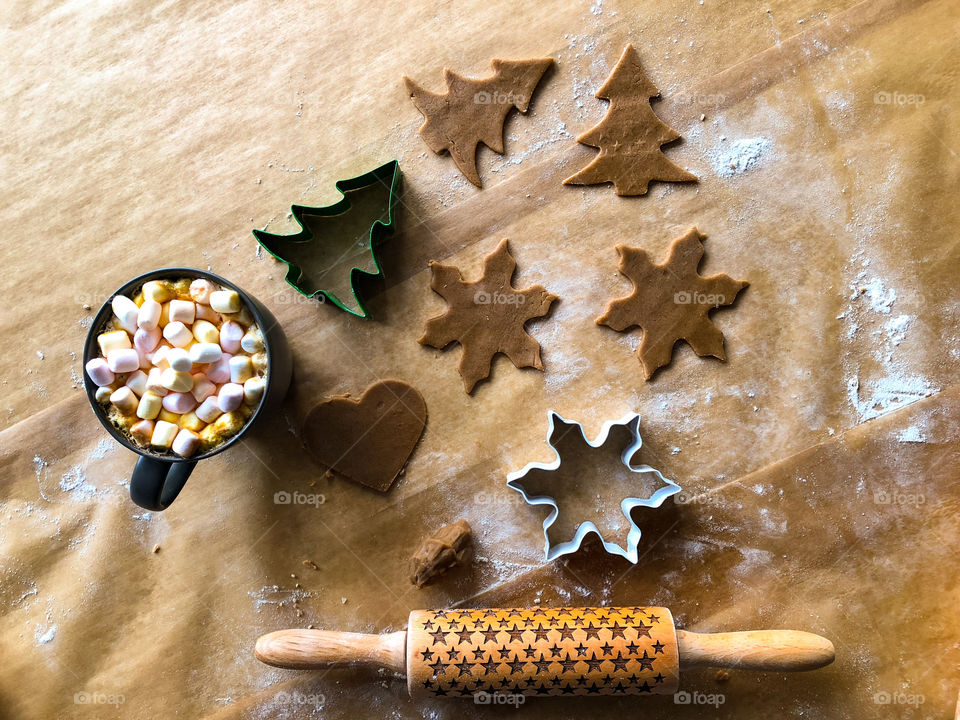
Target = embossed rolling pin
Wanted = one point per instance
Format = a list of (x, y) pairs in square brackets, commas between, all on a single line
[(545, 651)]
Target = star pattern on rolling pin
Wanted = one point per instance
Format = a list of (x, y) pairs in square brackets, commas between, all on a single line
[(582, 651)]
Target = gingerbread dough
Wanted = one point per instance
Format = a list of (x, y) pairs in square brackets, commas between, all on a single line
[(367, 440), (670, 302), (630, 136), (486, 316), (472, 111)]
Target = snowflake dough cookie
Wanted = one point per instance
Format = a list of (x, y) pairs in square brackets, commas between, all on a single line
[(671, 302), (486, 316)]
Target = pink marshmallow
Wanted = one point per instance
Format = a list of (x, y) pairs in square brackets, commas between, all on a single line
[(146, 340), (202, 387), (182, 311), (101, 374), (219, 372), (209, 410), (123, 360), (230, 397), (186, 443), (231, 334), (179, 402)]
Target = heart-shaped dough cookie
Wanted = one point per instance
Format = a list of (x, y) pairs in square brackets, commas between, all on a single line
[(367, 440)]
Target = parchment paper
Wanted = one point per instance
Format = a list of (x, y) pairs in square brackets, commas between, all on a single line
[(818, 463)]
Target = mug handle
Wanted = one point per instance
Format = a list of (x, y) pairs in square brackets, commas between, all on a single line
[(156, 483)]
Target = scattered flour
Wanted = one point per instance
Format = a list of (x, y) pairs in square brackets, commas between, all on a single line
[(44, 635), (911, 434), (887, 394), (739, 157)]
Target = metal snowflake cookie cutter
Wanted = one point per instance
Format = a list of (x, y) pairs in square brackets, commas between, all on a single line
[(631, 423), (335, 239)]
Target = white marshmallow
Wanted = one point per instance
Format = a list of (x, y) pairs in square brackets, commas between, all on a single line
[(230, 335), (206, 332), (202, 387), (124, 400), (229, 397), (126, 311), (209, 410), (155, 290), (252, 342), (146, 340), (137, 381), (179, 360), (225, 301), (253, 390), (115, 340), (182, 311), (176, 381), (163, 434), (149, 406), (177, 334), (148, 317), (241, 369), (154, 383), (159, 357), (219, 372), (186, 443), (200, 290), (103, 394), (123, 361), (203, 353), (100, 372), (142, 431), (205, 312), (179, 403)]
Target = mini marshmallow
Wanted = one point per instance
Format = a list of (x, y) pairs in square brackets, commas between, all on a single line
[(230, 335), (179, 360), (225, 301), (182, 311), (190, 421), (206, 332), (126, 311), (202, 387), (177, 333), (157, 291), (103, 394), (116, 340), (137, 381), (123, 361), (241, 369), (142, 431), (230, 397), (176, 381), (148, 317), (203, 353), (150, 406), (205, 312), (186, 443), (146, 340), (100, 372), (219, 372), (163, 434), (154, 382), (251, 342), (159, 357), (253, 390), (209, 410), (179, 403), (124, 400), (167, 416), (200, 290)]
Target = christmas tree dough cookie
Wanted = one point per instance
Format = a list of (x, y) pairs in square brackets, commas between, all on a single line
[(630, 136), (472, 111), (671, 302), (486, 316)]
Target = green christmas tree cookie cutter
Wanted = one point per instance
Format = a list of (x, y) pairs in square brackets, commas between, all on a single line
[(338, 243)]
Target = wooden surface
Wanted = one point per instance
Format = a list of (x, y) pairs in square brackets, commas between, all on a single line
[(818, 463)]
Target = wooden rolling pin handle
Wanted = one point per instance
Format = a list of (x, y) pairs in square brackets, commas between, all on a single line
[(317, 649), (771, 650)]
